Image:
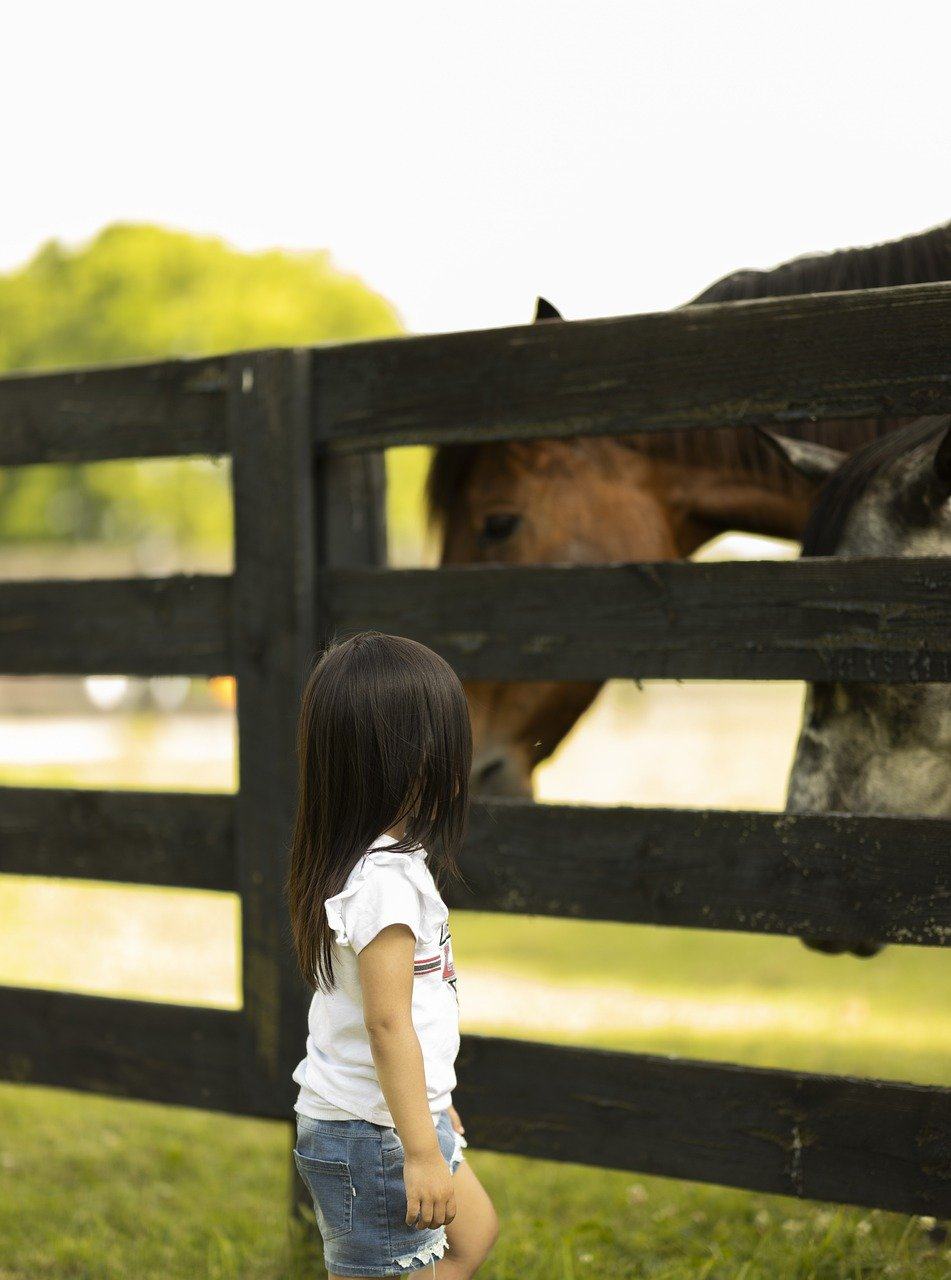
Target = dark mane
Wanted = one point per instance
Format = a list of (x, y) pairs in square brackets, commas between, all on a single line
[(733, 449), (845, 486), (915, 259)]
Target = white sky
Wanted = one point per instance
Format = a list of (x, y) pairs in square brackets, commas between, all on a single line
[(616, 157)]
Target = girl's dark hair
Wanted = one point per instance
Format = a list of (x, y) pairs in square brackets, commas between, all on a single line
[(383, 735)]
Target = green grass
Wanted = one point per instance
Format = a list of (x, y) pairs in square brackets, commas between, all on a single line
[(94, 1189), (91, 1187), (97, 1189)]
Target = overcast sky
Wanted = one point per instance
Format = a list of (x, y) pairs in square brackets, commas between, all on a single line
[(616, 157)]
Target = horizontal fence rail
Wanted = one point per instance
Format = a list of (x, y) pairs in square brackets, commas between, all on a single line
[(880, 352), (130, 626), (821, 619), (866, 1142), (178, 840), (128, 1048), (885, 621), (822, 875), (173, 408), (825, 875), (791, 1133)]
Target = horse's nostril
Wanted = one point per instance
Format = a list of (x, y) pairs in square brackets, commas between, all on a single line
[(498, 775), (491, 770)]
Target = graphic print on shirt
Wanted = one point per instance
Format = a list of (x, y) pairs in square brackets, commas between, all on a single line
[(442, 961), (448, 965)]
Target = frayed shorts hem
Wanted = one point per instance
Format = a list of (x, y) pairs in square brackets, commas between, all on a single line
[(422, 1257)]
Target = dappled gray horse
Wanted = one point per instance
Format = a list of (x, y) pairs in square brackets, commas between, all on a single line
[(876, 748)]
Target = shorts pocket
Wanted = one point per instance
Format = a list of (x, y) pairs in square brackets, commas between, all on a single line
[(331, 1189)]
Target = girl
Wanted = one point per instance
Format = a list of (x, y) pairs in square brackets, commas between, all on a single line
[(384, 748)]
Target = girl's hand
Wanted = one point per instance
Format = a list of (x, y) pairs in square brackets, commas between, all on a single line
[(430, 1200), (456, 1121)]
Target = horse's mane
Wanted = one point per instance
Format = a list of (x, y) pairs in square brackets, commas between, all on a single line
[(915, 259), (847, 483)]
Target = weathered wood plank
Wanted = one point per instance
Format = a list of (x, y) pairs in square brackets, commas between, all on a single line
[(863, 1142), (866, 1142), (127, 1048), (823, 875), (349, 510), (826, 875), (875, 353), (182, 840), (176, 407), (822, 619), (128, 626), (273, 630)]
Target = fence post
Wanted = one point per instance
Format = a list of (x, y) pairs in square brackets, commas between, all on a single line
[(273, 632), (349, 522)]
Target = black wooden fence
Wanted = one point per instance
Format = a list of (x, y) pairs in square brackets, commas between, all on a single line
[(305, 429)]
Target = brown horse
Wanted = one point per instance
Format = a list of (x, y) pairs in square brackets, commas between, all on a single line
[(648, 496)]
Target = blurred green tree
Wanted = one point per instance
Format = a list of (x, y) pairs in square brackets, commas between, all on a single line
[(141, 292)]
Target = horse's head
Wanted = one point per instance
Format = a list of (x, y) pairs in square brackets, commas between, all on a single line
[(584, 500)]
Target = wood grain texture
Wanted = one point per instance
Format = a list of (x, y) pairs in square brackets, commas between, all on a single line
[(123, 626), (273, 638), (126, 1048), (865, 1142), (823, 619), (135, 837), (825, 875), (173, 408), (875, 353)]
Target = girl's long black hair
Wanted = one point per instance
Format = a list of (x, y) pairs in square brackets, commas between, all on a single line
[(383, 735)]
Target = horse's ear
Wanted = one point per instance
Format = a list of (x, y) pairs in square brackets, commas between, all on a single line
[(942, 459), (545, 311), (814, 461)]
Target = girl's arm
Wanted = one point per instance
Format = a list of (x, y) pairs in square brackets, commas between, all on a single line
[(386, 976)]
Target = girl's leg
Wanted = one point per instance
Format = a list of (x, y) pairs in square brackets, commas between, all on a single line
[(472, 1232)]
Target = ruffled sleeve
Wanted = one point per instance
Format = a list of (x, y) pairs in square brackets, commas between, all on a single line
[(387, 889)]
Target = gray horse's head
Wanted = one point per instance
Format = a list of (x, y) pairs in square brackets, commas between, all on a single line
[(890, 498), (866, 748)]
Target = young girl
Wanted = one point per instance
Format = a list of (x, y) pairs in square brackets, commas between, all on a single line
[(384, 746)]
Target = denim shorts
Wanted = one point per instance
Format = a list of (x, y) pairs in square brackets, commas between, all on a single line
[(353, 1170)]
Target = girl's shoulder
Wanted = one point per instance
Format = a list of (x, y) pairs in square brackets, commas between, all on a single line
[(380, 883)]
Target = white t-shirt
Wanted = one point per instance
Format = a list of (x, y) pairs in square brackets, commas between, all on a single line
[(337, 1077)]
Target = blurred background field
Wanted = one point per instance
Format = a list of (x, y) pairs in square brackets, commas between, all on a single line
[(88, 1185)]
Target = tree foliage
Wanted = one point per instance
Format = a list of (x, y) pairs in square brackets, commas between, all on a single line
[(139, 292)]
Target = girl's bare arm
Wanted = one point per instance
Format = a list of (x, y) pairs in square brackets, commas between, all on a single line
[(386, 977)]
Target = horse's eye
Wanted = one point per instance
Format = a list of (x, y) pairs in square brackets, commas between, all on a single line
[(496, 528)]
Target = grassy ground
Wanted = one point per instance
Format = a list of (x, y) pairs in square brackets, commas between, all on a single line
[(93, 1189)]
